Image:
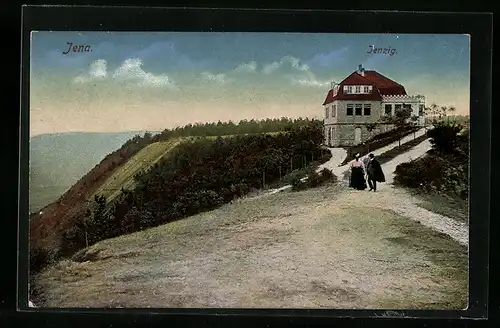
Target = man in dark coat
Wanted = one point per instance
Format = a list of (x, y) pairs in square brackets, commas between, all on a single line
[(375, 173)]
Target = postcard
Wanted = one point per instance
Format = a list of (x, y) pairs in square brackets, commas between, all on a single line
[(249, 170)]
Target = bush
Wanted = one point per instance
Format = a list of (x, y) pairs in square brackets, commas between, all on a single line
[(328, 176), (39, 258), (73, 239), (297, 183), (294, 176), (434, 174), (424, 172), (314, 179), (444, 137)]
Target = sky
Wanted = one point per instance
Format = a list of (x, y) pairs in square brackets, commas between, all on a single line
[(131, 81)]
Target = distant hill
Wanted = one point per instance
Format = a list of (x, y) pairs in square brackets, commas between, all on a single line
[(57, 161)]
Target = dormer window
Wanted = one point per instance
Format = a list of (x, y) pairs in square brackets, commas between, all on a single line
[(358, 89), (366, 89)]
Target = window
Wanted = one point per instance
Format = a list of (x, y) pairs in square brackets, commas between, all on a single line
[(367, 109), (351, 89), (358, 89), (388, 110), (334, 110), (407, 106), (326, 112), (349, 110), (366, 89), (397, 107), (346, 89), (421, 110), (358, 109)]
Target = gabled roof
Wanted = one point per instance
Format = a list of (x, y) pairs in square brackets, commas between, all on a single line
[(381, 86), (385, 85)]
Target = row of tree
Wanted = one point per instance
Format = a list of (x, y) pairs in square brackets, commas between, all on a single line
[(197, 176), (230, 128)]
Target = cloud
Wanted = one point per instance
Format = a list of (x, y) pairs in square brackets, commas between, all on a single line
[(249, 67), (130, 72), (287, 62), (97, 71), (310, 82), (295, 72), (218, 78), (327, 59)]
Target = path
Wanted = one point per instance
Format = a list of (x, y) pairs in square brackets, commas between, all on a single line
[(338, 156), (396, 199)]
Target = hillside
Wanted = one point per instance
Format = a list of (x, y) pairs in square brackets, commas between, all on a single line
[(57, 161), (119, 168), (281, 249), (328, 247)]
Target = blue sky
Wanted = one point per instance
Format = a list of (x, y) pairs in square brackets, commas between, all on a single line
[(138, 81)]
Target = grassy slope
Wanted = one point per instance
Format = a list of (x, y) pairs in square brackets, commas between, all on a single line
[(123, 177)]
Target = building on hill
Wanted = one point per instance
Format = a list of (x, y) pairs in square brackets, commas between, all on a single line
[(361, 99)]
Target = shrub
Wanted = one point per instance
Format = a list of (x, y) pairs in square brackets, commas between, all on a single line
[(314, 179), (427, 171), (328, 176), (136, 219), (444, 137), (434, 174), (297, 183), (40, 257), (73, 239), (294, 176)]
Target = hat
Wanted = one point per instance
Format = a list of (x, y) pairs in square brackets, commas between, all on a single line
[(357, 155)]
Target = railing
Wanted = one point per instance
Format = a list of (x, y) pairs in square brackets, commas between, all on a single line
[(403, 97)]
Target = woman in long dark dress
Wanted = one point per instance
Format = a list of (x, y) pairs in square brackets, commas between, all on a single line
[(357, 180)]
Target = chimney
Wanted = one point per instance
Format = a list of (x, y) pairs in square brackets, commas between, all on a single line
[(361, 70)]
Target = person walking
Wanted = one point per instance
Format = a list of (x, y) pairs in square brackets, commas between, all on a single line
[(357, 180), (374, 172), (366, 161)]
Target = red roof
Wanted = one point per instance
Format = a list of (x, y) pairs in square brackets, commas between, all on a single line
[(381, 86)]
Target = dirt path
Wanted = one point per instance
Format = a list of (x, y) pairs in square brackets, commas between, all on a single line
[(327, 247), (396, 199)]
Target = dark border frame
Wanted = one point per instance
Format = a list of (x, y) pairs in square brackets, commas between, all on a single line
[(477, 25)]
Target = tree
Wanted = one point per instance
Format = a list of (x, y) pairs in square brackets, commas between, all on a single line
[(401, 120), (438, 113), (413, 122)]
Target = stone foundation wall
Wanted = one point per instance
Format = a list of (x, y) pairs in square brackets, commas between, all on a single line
[(341, 135)]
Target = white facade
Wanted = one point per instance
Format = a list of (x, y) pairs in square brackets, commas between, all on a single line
[(416, 103)]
